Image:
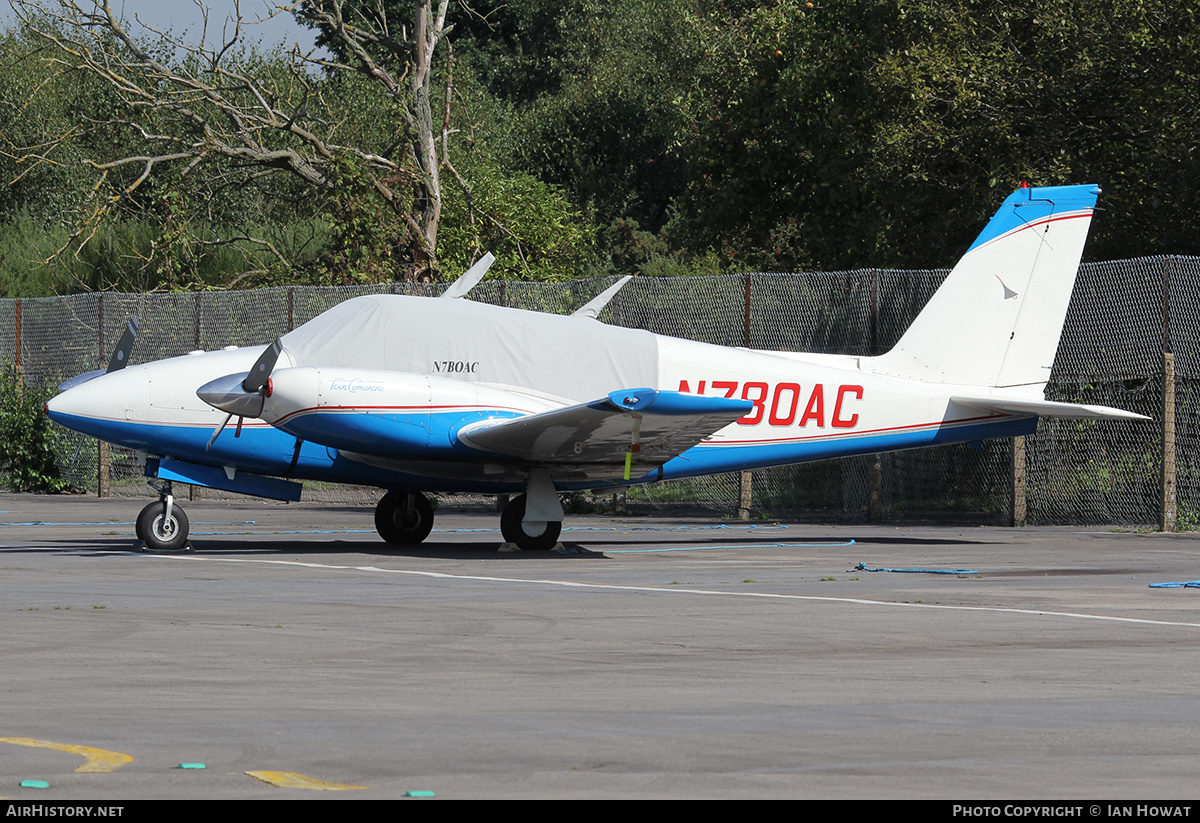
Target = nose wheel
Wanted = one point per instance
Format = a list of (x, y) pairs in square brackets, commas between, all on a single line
[(404, 518), (534, 536), (163, 526)]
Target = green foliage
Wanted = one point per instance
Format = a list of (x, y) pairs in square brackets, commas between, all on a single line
[(366, 240), (531, 226), (26, 244), (632, 251), (880, 132), (28, 440), (599, 93), (659, 137), (38, 104)]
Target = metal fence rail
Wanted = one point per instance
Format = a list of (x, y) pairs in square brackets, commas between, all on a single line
[(1123, 317)]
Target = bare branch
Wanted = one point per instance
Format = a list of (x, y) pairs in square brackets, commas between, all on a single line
[(217, 107)]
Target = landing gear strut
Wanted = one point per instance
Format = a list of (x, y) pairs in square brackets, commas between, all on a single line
[(163, 526), (404, 518), (515, 531)]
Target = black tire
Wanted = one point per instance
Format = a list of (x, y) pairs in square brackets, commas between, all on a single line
[(514, 532), (158, 535), (400, 526)]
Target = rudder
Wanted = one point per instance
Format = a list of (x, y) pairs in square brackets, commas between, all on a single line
[(996, 319)]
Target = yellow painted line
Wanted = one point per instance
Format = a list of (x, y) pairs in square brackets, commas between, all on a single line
[(291, 780), (98, 760)]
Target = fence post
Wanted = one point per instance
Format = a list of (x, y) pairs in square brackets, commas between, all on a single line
[(874, 461), (19, 367), (103, 451), (1166, 516), (745, 479), (745, 487), (1018, 482), (874, 487), (1167, 492)]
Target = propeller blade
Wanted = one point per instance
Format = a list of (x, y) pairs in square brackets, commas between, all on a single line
[(120, 355), (593, 307), (257, 378), (469, 278), (118, 361), (220, 429)]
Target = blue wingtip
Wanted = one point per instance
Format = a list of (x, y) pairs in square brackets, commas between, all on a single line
[(673, 402)]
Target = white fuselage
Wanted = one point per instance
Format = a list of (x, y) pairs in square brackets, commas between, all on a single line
[(465, 362)]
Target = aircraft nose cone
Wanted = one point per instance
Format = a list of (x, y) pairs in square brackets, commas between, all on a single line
[(226, 393), (92, 405)]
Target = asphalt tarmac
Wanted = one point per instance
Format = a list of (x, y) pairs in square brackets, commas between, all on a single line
[(658, 658)]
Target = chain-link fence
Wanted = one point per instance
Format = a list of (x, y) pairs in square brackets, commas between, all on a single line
[(1122, 317)]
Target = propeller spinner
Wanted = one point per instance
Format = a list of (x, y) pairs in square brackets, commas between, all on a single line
[(241, 394)]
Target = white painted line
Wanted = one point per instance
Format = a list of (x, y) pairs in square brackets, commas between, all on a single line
[(676, 590)]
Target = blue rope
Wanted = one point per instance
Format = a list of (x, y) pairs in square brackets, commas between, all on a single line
[(1191, 584), (862, 568), (735, 546)]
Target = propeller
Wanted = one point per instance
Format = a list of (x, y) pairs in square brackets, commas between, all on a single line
[(241, 394), (120, 355), (118, 361), (260, 372), (469, 278)]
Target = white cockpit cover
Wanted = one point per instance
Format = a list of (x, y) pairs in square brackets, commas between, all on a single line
[(576, 359)]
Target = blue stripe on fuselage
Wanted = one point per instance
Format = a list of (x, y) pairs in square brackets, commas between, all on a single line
[(712, 459), (259, 449)]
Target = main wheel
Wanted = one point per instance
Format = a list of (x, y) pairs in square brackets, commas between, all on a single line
[(404, 518), (514, 530), (159, 533)]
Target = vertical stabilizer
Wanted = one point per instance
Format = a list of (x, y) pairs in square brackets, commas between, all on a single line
[(996, 319)]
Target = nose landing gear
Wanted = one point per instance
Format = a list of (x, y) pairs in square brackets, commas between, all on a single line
[(163, 526)]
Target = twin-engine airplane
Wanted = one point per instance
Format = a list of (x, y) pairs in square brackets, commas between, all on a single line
[(415, 394)]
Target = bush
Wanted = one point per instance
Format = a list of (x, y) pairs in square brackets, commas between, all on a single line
[(28, 440)]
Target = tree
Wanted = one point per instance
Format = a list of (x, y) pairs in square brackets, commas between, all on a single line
[(880, 132), (190, 124), (598, 93)]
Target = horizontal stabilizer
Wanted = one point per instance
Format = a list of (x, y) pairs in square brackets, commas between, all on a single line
[(1047, 408), (652, 426)]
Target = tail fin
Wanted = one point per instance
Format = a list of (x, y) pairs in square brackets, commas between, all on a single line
[(996, 319)]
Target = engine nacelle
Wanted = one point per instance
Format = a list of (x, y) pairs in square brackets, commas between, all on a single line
[(389, 414)]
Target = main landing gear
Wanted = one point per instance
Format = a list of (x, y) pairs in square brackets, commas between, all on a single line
[(405, 518), (163, 526), (537, 535)]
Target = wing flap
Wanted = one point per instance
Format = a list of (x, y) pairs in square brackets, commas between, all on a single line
[(645, 427)]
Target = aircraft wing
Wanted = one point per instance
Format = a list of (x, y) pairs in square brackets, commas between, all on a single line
[(643, 427), (1047, 408)]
